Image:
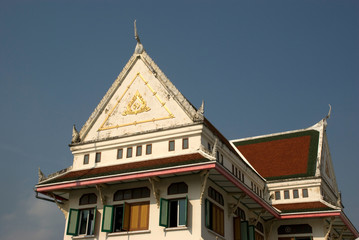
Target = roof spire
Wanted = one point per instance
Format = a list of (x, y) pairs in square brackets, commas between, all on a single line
[(327, 117), (139, 46), (330, 110)]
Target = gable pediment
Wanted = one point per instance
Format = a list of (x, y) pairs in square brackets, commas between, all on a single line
[(142, 99), (327, 169), (137, 103)]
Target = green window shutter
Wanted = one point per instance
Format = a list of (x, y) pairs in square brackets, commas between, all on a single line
[(186, 211), (107, 218), (164, 212), (244, 230), (183, 209), (251, 232), (93, 222), (72, 225), (126, 216), (207, 212)]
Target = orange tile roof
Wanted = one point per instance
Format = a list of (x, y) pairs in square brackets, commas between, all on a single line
[(282, 156), (302, 207), (128, 167)]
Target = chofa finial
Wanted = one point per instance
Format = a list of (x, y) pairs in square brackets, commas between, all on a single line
[(41, 175), (139, 46), (75, 135), (330, 110), (327, 117), (200, 113)]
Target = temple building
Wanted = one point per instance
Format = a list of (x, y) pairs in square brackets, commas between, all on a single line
[(147, 164)]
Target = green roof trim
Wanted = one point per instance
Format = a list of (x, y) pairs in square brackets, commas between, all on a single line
[(312, 155)]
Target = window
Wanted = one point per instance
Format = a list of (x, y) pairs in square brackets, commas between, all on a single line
[(185, 143), (119, 153), (89, 198), (81, 222), (286, 194), (216, 196), (214, 217), (209, 147), (240, 213), (295, 193), (129, 152), (98, 157), (295, 229), (221, 161), (118, 217), (305, 193), (171, 145), (139, 151), (258, 231), (86, 159), (133, 193), (86, 222), (277, 195), (126, 217), (177, 188), (173, 212), (149, 149)]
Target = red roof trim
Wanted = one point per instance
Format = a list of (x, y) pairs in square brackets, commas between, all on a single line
[(310, 215), (347, 222), (338, 213), (247, 191)]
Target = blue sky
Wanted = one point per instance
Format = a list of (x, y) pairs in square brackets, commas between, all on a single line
[(261, 66)]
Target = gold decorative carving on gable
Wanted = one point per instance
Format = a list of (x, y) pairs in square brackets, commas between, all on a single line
[(136, 105)]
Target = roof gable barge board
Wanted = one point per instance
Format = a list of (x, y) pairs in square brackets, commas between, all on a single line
[(326, 166), (235, 156), (140, 99)]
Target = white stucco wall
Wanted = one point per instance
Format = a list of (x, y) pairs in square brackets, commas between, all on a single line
[(159, 141), (155, 231)]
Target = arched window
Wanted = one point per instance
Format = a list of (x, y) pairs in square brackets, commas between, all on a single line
[(241, 214), (259, 227), (133, 193), (177, 188), (89, 198)]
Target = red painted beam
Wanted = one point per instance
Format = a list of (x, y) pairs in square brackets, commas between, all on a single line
[(247, 191), (310, 215)]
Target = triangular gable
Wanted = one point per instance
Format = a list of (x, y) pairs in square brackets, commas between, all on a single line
[(141, 99), (135, 105), (327, 169)]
